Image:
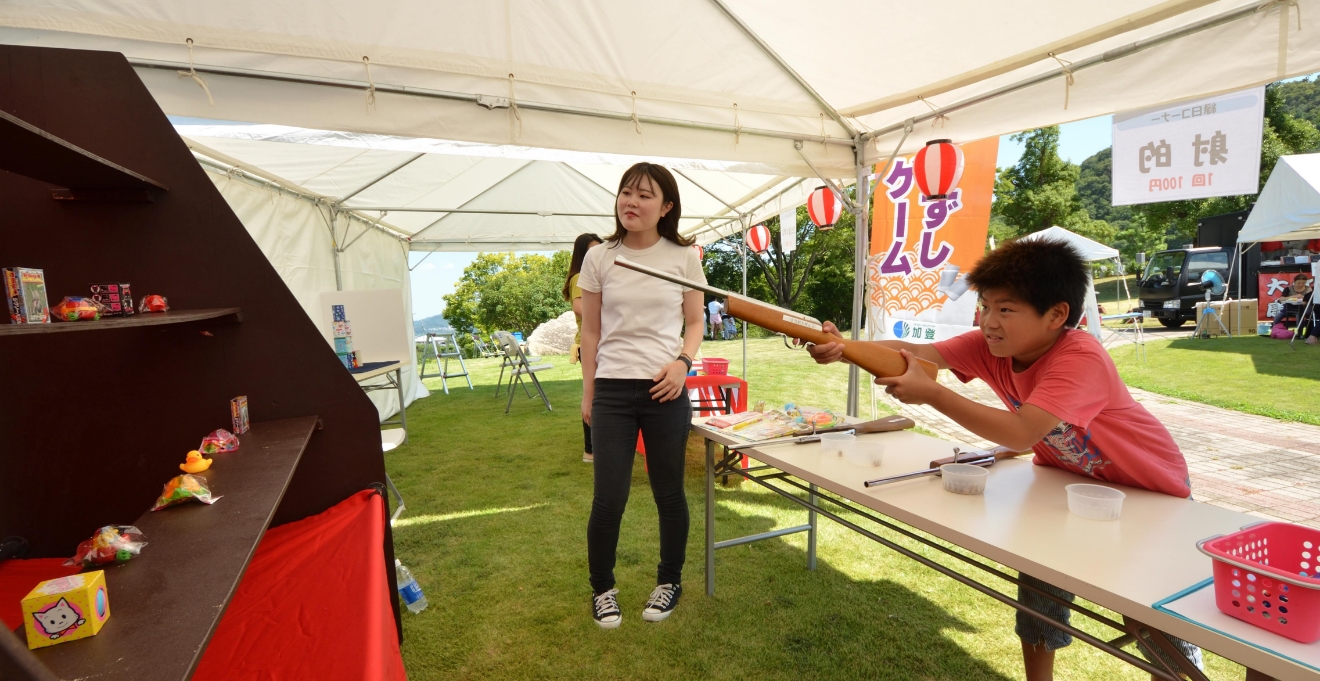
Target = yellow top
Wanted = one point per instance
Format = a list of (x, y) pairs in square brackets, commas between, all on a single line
[(574, 292)]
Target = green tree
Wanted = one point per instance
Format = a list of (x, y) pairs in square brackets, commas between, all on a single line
[(508, 292), (1041, 190)]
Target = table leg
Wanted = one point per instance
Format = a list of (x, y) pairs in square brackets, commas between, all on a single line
[(710, 517), (811, 534), (403, 413)]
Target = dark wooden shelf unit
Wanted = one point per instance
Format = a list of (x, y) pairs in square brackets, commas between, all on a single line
[(169, 599), (30, 151), (227, 315)]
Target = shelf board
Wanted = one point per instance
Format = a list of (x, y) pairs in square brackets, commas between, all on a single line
[(219, 314), (30, 151), (165, 604)]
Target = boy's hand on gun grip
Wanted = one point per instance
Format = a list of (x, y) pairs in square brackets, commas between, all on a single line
[(913, 387), (828, 352)]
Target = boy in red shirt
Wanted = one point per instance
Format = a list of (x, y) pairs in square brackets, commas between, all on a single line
[(1064, 397)]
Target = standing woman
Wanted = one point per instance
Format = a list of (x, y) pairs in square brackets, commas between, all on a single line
[(573, 294), (639, 335)]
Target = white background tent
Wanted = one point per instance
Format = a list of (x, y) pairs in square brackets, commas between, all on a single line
[(1289, 206), (773, 87), (1092, 251)]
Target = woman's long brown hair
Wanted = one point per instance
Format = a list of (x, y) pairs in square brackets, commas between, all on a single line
[(580, 247)]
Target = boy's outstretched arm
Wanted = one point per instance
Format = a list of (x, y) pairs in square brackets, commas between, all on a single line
[(827, 353), (1016, 430)]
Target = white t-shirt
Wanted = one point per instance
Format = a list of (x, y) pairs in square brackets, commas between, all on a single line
[(641, 317), (715, 308)]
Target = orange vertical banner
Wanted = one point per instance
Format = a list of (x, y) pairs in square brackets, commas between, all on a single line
[(922, 249)]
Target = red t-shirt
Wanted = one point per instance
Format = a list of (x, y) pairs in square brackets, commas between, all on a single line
[(1103, 433)]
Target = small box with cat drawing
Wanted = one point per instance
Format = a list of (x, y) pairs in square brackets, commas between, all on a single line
[(66, 609)]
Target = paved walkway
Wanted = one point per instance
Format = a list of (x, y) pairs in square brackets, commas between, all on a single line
[(1247, 463)]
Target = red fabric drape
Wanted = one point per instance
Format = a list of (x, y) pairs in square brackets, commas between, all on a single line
[(17, 579), (314, 603)]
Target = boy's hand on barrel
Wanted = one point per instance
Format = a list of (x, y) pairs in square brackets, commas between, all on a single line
[(913, 386), (825, 353)]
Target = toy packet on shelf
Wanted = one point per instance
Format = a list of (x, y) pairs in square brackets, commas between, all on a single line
[(110, 544), (25, 289), (238, 411), (183, 488), (77, 309), (154, 303), (219, 441), (727, 420)]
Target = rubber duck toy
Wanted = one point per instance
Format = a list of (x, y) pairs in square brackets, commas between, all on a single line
[(195, 463)]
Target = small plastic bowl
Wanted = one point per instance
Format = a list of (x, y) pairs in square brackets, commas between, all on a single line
[(962, 478), (831, 443), (863, 452), (1095, 502)]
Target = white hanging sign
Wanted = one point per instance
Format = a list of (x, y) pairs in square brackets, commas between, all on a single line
[(1194, 149), (788, 231)]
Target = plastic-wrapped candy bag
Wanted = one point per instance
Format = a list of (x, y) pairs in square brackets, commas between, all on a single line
[(219, 441), (183, 488), (110, 544), (154, 303), (76, 309)]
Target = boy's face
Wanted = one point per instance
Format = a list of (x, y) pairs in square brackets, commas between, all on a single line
[(1013, 328)]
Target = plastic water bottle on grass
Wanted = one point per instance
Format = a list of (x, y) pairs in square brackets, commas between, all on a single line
[(409, 590)]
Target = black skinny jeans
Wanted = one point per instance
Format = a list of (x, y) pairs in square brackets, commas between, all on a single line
[(619, 409)]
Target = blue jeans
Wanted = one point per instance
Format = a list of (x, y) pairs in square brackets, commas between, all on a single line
[(1035, 632), (621, 408)]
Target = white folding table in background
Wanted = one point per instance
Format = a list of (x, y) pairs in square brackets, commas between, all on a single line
[(1022, 522)]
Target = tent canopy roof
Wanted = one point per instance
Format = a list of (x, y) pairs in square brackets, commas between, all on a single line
[(777, 84), (1090, 250), (442, 196), (1289, 206)]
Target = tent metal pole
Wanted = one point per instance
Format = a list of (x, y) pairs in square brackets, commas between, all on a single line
[(373, 183), (708, 192), (500, 211), (745, 219), (862, 222), (627, 117), (1111, 55), (730, 220)]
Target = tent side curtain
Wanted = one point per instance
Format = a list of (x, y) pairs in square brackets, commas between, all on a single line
[(1288, 208), (293, 234)]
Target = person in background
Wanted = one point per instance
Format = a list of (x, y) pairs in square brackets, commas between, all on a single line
[(573, 294), (639, 336), (730, 326), (715, 318)]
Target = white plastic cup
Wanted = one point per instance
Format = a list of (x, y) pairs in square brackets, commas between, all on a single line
[(948, 275), (863, 452), (830, 443), (1095, 502), (964, 478)]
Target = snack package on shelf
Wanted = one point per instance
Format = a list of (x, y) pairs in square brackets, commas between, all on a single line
[(77, 309), (110, 544), (154, 303), (238, 412), (184, 488), (25, 289), (219, 441)]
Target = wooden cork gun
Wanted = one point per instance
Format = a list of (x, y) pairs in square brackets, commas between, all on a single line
[(876, 359)]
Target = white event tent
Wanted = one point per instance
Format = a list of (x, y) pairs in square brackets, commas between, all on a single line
[(1288, 208), (766, 87)]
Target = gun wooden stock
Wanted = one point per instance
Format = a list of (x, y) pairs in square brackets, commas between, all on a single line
[(1000, 453), (872, 357)]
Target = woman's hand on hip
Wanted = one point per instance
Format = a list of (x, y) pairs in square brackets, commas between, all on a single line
[(586, 408), (670, 382)]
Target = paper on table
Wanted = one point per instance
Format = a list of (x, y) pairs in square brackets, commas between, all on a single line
[(1197, 605)]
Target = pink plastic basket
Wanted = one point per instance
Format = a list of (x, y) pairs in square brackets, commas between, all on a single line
[(714, 366), (1266, 575)]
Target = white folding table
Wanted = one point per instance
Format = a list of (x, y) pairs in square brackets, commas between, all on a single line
[(1022, 522)]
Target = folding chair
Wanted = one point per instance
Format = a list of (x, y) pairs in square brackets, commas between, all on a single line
[(482, 347), (506, 362), (521, 365)]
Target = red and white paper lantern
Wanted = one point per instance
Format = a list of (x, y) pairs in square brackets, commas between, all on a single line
[(938, 168), (701, 255), (758, 238), (824, 208)]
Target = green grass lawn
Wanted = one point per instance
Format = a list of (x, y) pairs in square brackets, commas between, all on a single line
[(1253, 374), (495, 531)]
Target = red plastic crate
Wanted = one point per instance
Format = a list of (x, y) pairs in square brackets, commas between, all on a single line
[(1266, 575), (714, 366)]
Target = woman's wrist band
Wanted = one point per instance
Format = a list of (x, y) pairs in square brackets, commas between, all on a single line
[(686, 360)]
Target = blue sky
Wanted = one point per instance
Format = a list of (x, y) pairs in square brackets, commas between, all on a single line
[(437, 275)]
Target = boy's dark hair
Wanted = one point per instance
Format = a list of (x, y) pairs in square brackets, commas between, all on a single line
[(1040, 272)]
